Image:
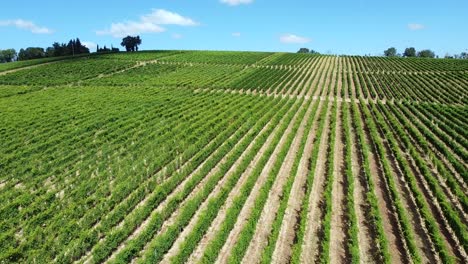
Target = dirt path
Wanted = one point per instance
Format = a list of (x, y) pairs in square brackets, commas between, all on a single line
[(390, 223), (248, 206), (311, 241), (260, 238), (338, 251), (28, 67), (367, 246)]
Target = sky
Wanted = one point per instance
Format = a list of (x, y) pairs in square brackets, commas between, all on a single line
[(352, 27)]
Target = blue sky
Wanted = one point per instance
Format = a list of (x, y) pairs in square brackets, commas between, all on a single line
[(333, 26)]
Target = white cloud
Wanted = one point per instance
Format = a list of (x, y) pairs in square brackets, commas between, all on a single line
[(236, 34), (119, 30), (294, 39), (149, 23), (27, 25), (164, 17), (177, 36), (236, 2), (415, 26), (90, 45)]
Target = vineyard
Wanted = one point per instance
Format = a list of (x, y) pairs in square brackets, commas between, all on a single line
[(234, 157)]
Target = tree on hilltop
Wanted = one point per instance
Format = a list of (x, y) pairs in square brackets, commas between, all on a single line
[(31, 53), (131, 43), (426, 54), (390, 52), (410, 52), (7, 55)]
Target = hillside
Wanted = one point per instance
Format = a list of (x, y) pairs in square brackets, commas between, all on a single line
[(234, 157)]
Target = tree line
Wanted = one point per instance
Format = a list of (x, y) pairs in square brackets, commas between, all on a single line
[(74, 47), (408, 53), (426, 53), (306, 50)]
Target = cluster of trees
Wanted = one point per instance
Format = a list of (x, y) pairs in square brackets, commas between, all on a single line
[(131, 43), (106, 49), (306, 50), (463, 55), (7, 55), (409, 52), (74, 47)]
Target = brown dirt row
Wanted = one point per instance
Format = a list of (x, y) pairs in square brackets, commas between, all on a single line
[(386, 208), (339, 230), (366, 235), (283, 247), (311, 243), (248, 206), (260, 238)]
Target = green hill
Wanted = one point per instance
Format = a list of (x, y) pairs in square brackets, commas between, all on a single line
[(239, 157)]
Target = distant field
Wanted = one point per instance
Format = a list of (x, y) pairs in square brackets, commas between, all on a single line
[(233, 157)]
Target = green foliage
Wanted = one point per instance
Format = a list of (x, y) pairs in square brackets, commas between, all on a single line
[(390, 52), (426, 54), (7, 55), (409, 52), (31, 53), (98, 146), (131, 43)]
